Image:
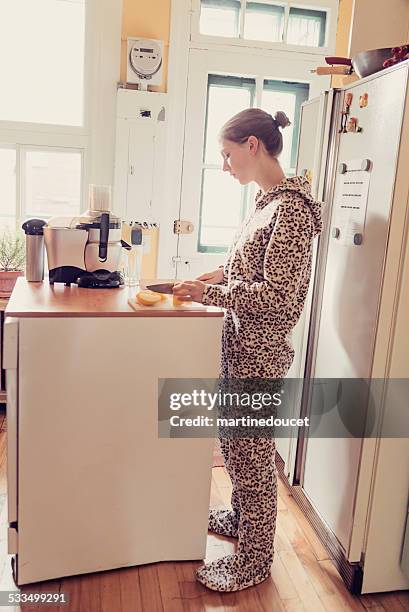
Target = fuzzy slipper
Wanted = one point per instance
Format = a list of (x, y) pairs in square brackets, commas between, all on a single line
[(223, 522), (232, 573)]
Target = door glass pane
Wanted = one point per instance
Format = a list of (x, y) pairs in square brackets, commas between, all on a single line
[(286, 97), (306, 27), (221, 210), (42, 61), (273, 101), (220, 17), (52, 184), (226, 97), (7, 181), (264, 21), (223, 199)]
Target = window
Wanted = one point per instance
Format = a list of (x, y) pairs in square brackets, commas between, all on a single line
[(219, 213), (51, 183), (263, 20), (220, 18), (306, 27), (287, 97), (42, 61), (7, 187), (224, 201)]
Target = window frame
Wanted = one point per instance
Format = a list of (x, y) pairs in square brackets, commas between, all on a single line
[(330, 7)]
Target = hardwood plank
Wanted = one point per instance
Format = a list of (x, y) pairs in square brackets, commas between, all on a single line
[(150, 589), (333, 603), (292, 506), (269, 597), (293, 605), (391, 603), (281, 505), (169, 587), (189, 587), (282, 580), (130, 588), (90, 600), (351, 602), (110, 591), (368, 600), (301, 581), (318, 577), (403, 597), (71, 586), (281, 541)]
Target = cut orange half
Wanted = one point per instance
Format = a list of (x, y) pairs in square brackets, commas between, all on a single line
[(148, 298)]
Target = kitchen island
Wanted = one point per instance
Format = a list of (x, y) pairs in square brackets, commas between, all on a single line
[(91, 485)]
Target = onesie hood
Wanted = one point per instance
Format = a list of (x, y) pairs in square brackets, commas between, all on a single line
[(298, 186)]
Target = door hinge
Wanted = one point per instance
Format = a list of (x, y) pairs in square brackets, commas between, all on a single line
[(181, 226)]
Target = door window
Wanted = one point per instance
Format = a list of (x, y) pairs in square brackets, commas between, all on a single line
[(224, 202)]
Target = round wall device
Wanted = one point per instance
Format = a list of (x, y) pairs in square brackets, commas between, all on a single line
[(145, 58)]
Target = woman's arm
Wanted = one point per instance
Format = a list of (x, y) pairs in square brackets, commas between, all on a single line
[(215, 277), (286, 258)]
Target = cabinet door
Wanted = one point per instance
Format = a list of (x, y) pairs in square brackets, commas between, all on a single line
[(141, 156), (98, 489)]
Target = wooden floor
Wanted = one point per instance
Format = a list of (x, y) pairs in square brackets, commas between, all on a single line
[(302, 575)]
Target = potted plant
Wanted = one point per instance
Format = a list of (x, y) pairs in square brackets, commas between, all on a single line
[(12, 260)]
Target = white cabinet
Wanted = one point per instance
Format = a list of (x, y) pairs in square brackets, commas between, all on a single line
[(139, 154), (91, 484)]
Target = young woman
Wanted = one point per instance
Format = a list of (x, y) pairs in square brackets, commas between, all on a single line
[(262, 285)]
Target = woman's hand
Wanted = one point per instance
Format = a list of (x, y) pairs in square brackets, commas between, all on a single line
[(212, 278), (189, 290)]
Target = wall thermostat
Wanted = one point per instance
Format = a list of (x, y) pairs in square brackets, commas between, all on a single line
[(144, 64)]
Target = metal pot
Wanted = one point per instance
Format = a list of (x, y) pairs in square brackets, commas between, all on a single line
[(364, 63)]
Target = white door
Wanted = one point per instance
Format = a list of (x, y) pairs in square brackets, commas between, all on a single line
[(219, 86)]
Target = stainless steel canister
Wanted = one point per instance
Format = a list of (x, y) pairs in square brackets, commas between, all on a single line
[(34, 249)]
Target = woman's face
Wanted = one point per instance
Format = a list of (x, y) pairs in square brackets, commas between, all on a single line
[(238, 159)]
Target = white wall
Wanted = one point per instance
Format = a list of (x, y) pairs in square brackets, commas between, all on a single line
[(103, 70)]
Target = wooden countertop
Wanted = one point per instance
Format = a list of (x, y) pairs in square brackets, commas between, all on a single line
[(45, 300)]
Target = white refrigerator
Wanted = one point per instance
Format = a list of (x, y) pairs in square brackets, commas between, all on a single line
[(354, 143)]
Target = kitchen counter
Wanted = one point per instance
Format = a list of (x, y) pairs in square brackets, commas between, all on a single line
[(97, 479), (45, 300)]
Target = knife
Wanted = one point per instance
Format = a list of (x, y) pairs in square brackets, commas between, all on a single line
[(162, 288)]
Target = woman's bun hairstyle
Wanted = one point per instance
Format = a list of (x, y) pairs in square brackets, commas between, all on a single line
[(281, 119), (256, 122)]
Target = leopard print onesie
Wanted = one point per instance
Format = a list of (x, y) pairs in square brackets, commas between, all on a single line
[(266, 279)]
